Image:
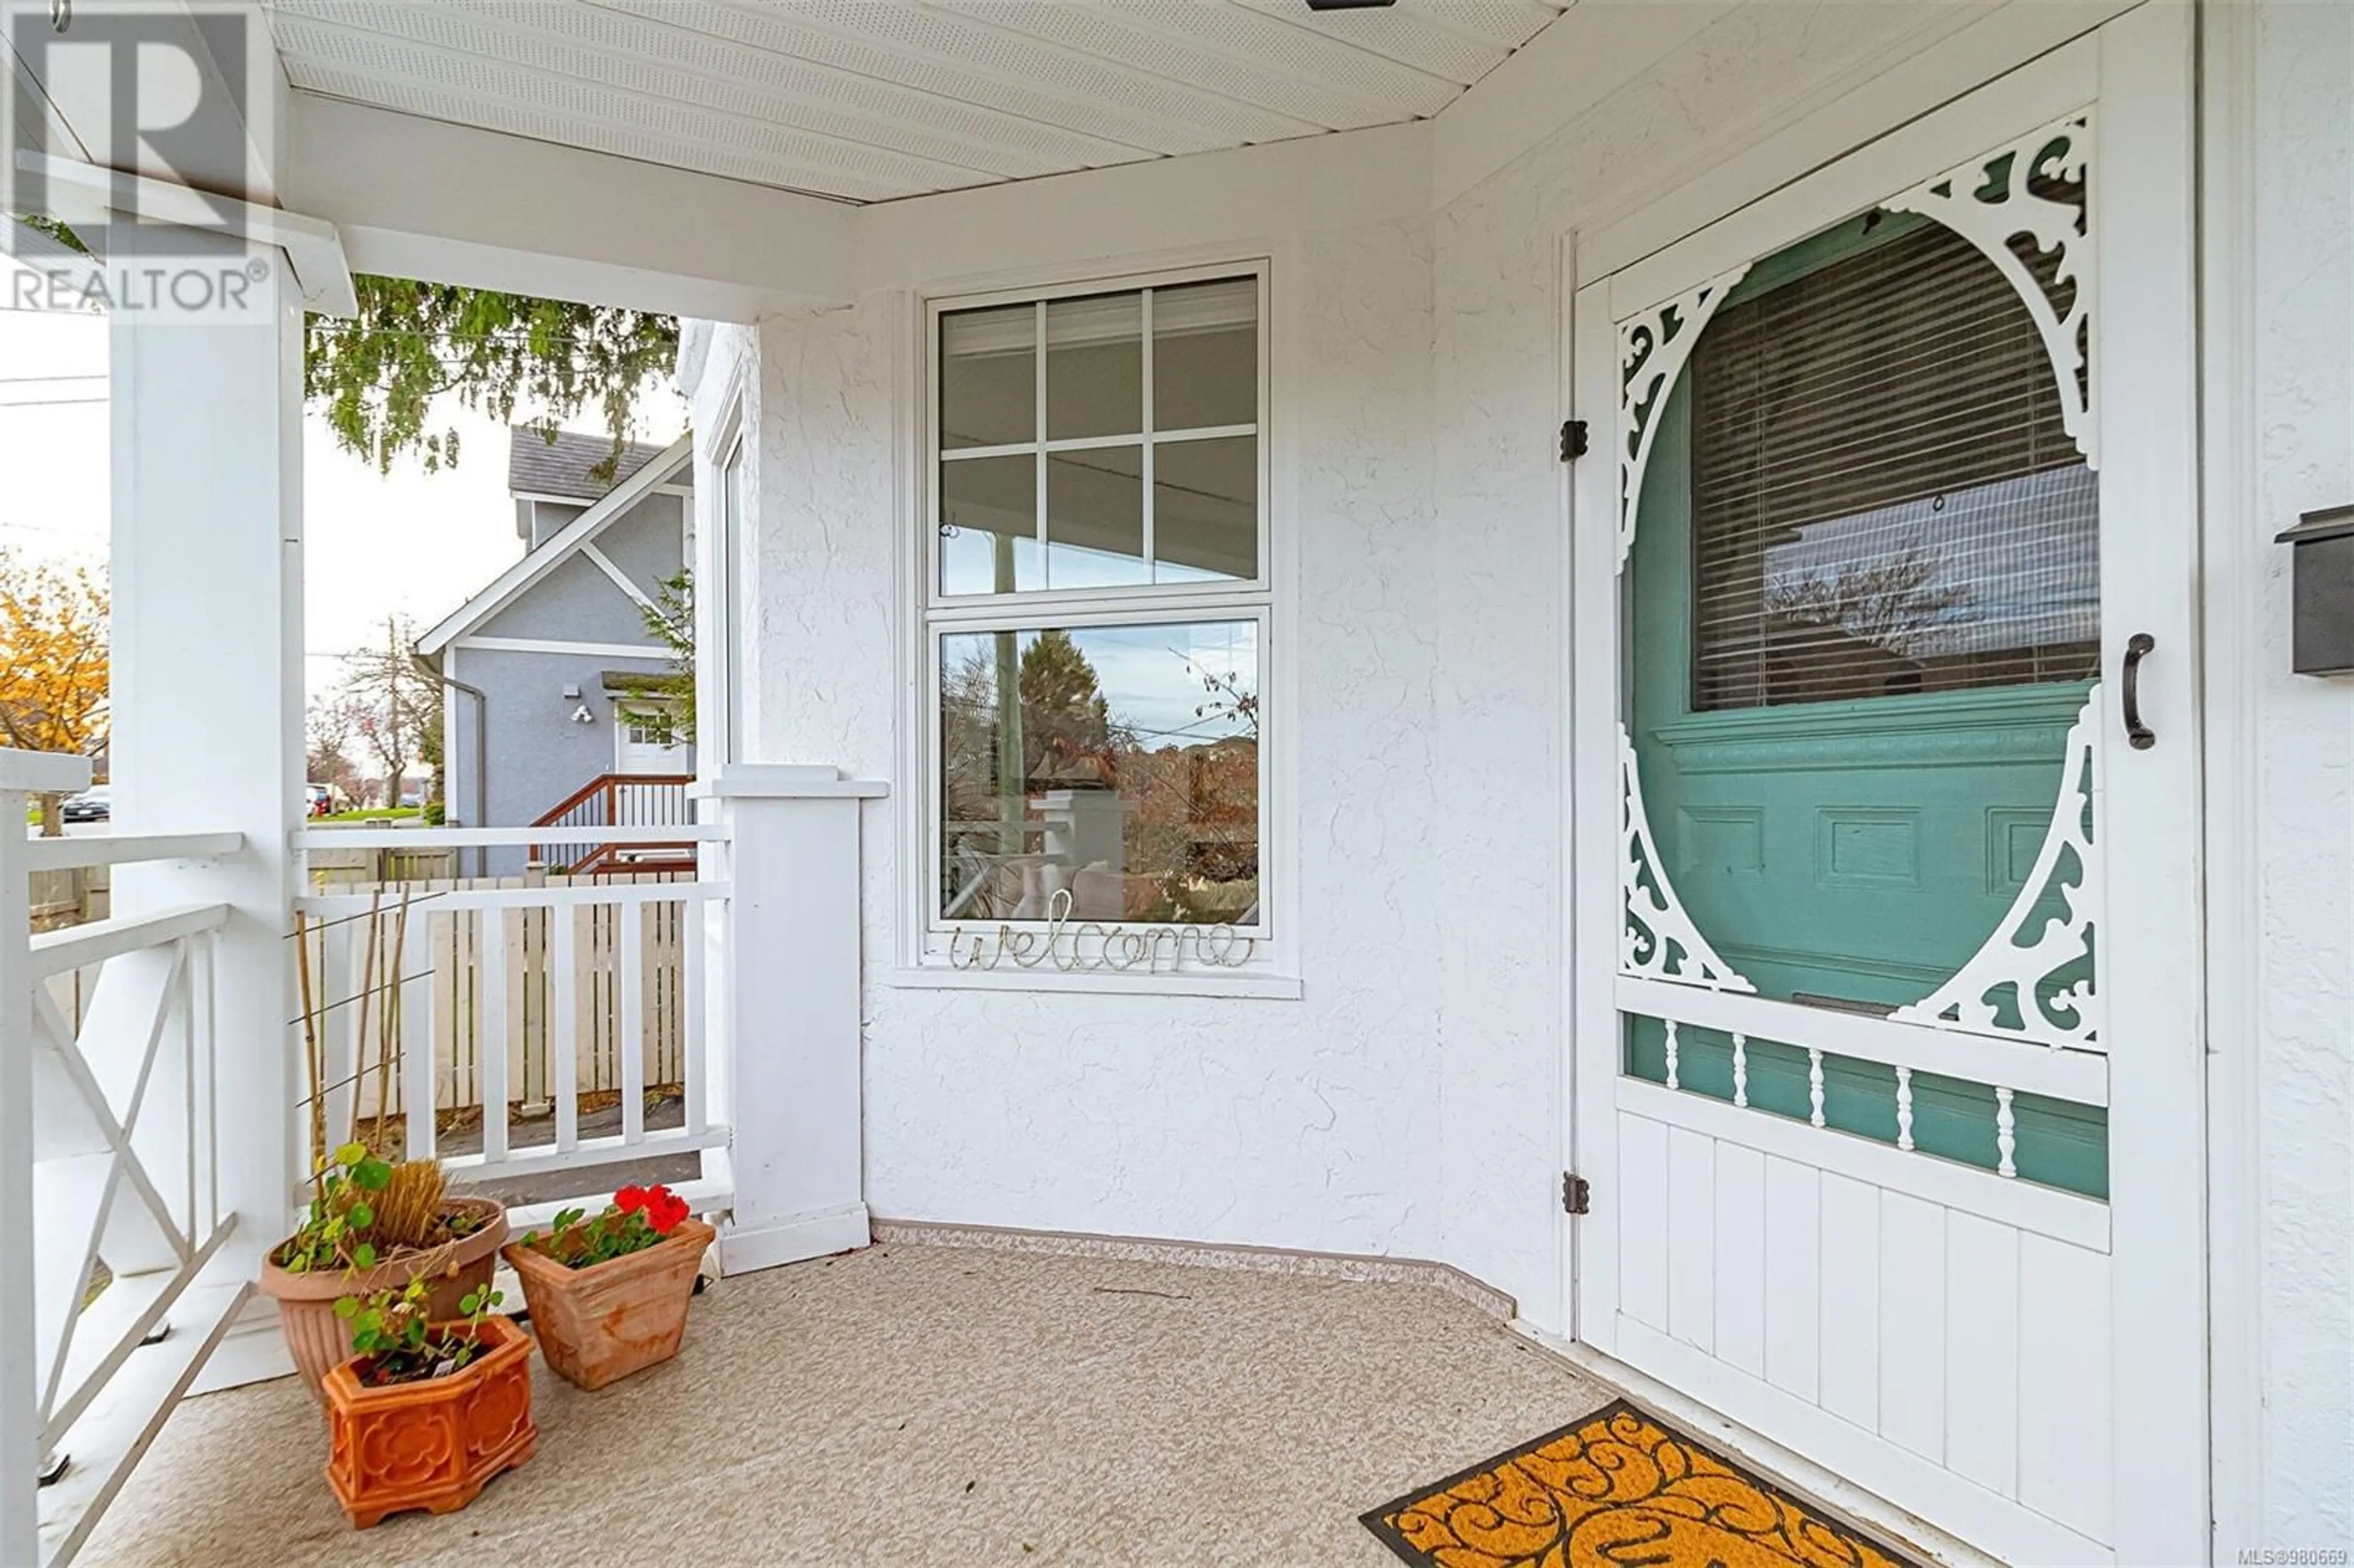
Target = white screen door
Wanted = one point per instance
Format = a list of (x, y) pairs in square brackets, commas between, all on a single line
[(1887, 1043)]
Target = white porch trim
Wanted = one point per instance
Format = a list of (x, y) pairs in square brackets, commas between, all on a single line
[(532, 217), (315, 251), (745, 1249)]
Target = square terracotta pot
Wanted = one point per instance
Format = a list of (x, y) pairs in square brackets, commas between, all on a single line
[(431, 1444), (611, 1318)]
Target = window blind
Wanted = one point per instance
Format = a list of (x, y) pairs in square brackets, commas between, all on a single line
[(1884, 498)]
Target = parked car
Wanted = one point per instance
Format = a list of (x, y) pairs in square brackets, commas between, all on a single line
[(95, 804)]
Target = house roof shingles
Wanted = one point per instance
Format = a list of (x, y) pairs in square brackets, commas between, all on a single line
[(536, 466)]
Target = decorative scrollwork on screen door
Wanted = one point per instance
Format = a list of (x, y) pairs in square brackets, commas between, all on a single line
[(1993, 201), (1652, 349), (2015, 976), (1657, 938)]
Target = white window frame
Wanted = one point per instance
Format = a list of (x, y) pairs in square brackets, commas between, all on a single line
[(717, 585), (937, 614)]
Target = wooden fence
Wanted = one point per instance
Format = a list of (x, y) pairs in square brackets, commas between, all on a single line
[(454, 992), (360, 870), (71, 896)]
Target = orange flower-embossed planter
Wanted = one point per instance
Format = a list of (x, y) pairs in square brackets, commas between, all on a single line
[(611, 1318), (431, 1444), (306, 1302)]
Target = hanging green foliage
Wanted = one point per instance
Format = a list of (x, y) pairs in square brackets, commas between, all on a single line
[(375, 375), (54, 230)]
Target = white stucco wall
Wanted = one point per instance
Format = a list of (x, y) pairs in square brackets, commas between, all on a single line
[(1411, 1101), (2303, 952)]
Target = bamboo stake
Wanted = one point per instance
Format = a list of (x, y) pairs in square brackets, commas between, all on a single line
[(387, 1024), (313, 1060), (367, 991)]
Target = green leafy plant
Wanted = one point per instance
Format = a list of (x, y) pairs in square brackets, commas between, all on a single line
[(363, 1209), (334, 1231), (637, 1218), (397, 1340), (666, 711)]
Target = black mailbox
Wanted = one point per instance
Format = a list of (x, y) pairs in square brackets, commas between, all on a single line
[(2322, 625)]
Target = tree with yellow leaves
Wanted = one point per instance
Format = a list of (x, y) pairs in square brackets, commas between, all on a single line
[(53, 665)]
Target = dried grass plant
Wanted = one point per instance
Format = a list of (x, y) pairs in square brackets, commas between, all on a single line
[(408, 1209)]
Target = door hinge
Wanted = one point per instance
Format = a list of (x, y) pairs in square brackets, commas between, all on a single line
[(1573, 439), (1576, 1197)]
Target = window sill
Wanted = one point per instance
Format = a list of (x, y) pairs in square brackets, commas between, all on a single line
[(1246, 984)]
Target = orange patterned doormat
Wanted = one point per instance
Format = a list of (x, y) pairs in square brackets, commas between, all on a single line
[(1615, 1491)]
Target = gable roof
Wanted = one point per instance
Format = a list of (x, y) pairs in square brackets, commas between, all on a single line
[(537, 466), (559, 547)]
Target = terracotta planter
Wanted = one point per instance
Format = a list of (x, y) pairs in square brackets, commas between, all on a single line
[(431, 1444), (607, 1321), (306, 1302)]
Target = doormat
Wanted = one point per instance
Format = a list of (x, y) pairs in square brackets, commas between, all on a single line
[(1610, 1491)]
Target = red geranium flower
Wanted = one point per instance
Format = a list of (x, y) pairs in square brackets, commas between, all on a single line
[(630, 1200), (665, 1210)]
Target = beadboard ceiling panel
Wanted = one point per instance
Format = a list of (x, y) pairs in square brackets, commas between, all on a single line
[(868, 100)]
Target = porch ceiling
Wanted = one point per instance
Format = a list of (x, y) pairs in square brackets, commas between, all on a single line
[(869, 100)]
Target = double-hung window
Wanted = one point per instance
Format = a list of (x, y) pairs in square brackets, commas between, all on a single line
[(1095, 606)]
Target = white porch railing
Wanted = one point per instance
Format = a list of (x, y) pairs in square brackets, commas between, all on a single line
[(113, 1169), (509, 997), (336, 951), (108, 1174)]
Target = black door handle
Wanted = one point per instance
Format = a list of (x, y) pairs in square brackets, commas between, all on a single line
[(2138, 734)]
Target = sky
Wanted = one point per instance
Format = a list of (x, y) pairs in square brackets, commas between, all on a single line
[(407, 543)]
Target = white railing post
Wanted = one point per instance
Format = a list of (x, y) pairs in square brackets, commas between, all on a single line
[(784, 1018), (23, 774)]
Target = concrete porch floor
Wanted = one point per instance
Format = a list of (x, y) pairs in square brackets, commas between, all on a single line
[(926, 1405)]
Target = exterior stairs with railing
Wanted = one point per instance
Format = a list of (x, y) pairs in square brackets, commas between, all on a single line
[(618, 800)]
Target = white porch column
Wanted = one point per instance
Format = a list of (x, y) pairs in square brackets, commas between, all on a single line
[(784, 1012), (207, 693)]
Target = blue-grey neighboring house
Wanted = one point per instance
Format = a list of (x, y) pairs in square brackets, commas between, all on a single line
[(547, 666)]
